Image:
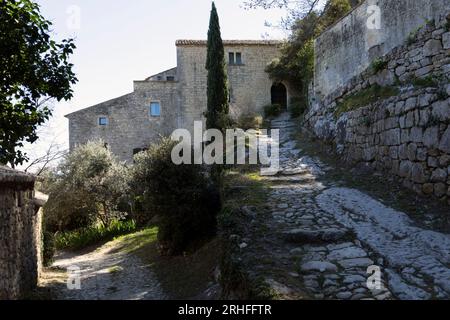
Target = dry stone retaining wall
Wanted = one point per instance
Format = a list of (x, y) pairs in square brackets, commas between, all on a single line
[(407, 135)]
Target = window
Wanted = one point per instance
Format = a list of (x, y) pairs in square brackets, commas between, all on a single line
[(159, 78), (102, 121), (155, 109), (231, 57), (238, 58), (170, 78)]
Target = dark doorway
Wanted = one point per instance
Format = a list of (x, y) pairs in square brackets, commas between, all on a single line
[(279, 95)]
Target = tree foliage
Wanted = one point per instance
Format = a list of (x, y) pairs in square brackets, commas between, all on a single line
[(89, 186), (218, 94), (296, 63), (180, 196), (34, 69)]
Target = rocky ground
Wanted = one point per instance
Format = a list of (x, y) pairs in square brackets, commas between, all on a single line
[(325, 240), (106, 273)]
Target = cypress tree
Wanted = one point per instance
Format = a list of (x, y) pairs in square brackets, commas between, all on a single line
[(218, 94)]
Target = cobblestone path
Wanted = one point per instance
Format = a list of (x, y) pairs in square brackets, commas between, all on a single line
[(335, 234)]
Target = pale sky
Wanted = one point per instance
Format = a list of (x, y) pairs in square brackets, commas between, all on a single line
[(121, 41)]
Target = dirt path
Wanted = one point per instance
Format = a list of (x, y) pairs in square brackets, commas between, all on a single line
[(106, 273), (321, 237)]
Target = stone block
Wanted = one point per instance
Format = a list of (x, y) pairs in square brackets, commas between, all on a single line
[(432, 47), (440, 190), (412, 151), (428, 188), (441, 110), (445, 141), (405, 169), (446, 40), (439, 175), (424, 71), (431, 137), (410, 103), (416, 134)]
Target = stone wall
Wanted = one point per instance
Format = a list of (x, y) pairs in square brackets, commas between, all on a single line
[(349, 47), (130, 125), (406, 135), (20, 234)]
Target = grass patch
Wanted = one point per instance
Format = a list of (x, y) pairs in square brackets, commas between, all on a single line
[(297, 107), (115, 269), (365, 97), (379, 65), (427, 82), (82, 238), (272, 111), (244, 186), (133, 242)]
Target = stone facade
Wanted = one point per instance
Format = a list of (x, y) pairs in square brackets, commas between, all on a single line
[(181, 92), (407, 135), (20, 234), (348, 47)]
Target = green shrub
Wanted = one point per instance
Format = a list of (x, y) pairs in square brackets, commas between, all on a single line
[(365, 97), (90, 185), (250, 120), (48, 248), (297, 107), (379, 65), (84, 237), (428, 82), (185, 203), (272, 110)]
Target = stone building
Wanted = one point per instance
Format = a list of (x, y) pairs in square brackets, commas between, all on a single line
[(177, 97)]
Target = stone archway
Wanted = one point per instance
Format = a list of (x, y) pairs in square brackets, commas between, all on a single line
[(279, 95)]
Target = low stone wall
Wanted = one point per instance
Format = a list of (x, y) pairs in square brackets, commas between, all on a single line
[(407, 135), (20, 234)]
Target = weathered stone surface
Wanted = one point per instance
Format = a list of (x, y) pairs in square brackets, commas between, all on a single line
[(440, 189), (358, 262), (405, 169), (445, 141), (416, 134), (441, 110), (316, 236), (321, 266), (347, 253), (431, 137), (412, 151), (432, 47), (446, 40), (344, 295), (428, 188), (439, 175), (418, 173)]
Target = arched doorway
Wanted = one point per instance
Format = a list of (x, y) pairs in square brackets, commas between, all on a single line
[(279, 95)]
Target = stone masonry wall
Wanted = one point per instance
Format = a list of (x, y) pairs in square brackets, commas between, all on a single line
[(130, 125), (250, 85), (349, 46), (407, 135), (20, 234)]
